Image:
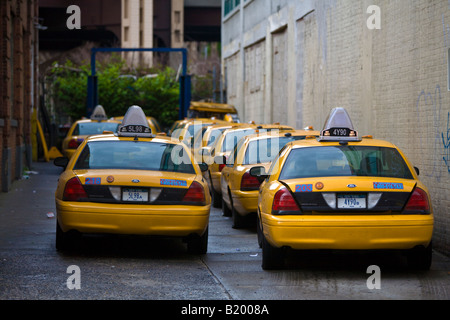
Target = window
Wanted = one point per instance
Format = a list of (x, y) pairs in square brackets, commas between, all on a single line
[(90, 128), (265, 150), (229, 6), (125, 34), (125, 9), (345, 161), (134, 155), (233, 137)]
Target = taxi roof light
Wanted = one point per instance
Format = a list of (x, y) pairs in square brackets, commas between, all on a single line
[(99, 114), (135, 124), (338, 127)]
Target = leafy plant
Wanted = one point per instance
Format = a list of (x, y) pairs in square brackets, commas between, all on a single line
[(158, 95)]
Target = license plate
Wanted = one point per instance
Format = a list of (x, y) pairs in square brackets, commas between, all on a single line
[(134, 195), (351, 201)]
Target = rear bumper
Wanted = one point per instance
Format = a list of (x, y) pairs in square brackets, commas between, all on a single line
[(245, 202), (177, 221), (215, 182), (348, 232)]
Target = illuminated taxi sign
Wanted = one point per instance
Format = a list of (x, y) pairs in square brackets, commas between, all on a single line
[(99, 114), (134, 124), (338, 127)]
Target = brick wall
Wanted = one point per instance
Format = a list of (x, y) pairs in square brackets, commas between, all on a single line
[(18, 66), (393, 81)]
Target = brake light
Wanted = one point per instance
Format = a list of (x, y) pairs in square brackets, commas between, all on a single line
[(74, 190), (249, 182), (284, 201), (418, 202), (195, 193), (74, 143)]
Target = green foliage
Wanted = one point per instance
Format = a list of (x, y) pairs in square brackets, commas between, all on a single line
[(157, 95)]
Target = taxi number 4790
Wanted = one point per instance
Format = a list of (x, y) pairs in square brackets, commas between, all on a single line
[(351, 201)]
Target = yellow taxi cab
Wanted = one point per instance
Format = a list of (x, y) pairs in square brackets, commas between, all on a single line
[(205, 138), (132, 182), (221, 150), (152, 123), (80, 129), (185, 130), (343, 191), (240, 189), (209, 109)]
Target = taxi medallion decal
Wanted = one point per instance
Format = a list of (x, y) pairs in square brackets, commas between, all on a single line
[(387, 185), (173, 182), (110, 179), (319, 185)]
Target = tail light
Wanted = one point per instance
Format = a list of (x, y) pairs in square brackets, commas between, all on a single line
[(418, 202), (249, 183), (195, 194), (74, 190), (222, 165), (74, 143), (284, 201)]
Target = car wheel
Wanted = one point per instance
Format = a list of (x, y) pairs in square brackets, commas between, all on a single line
[(225, 210), (64, 240), (238, 220), (216, 198), (259, 230), (420, 258), (272, 257), (198, 244)]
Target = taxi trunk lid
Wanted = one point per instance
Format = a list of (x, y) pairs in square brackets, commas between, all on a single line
[(355, 194), (135, 186)]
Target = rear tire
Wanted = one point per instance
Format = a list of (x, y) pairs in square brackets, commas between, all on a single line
[(198, 244), (272, 257), (259, 230), (225, 210), (420, 258), (238, 220), (64, 240), (216, 198)]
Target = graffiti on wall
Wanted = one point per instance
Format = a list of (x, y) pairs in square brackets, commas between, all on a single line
[(429, 102), (446, 143)]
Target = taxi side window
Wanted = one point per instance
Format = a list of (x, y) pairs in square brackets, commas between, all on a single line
[(76, 130), (233, 156), (233, 137)]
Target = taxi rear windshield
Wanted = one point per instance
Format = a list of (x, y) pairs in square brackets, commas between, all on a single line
[(336, 161), (134, 155), (91, 128), (232, 138), (265, 150)]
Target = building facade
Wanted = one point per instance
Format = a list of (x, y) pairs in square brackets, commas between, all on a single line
[(18, 86), (386, 62)]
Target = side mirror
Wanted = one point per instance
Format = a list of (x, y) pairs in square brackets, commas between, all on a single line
[(61, 162), (417, 170), (203, 167), (259, 173)]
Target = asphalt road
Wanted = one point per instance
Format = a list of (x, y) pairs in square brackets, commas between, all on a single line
[(141, 268)]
